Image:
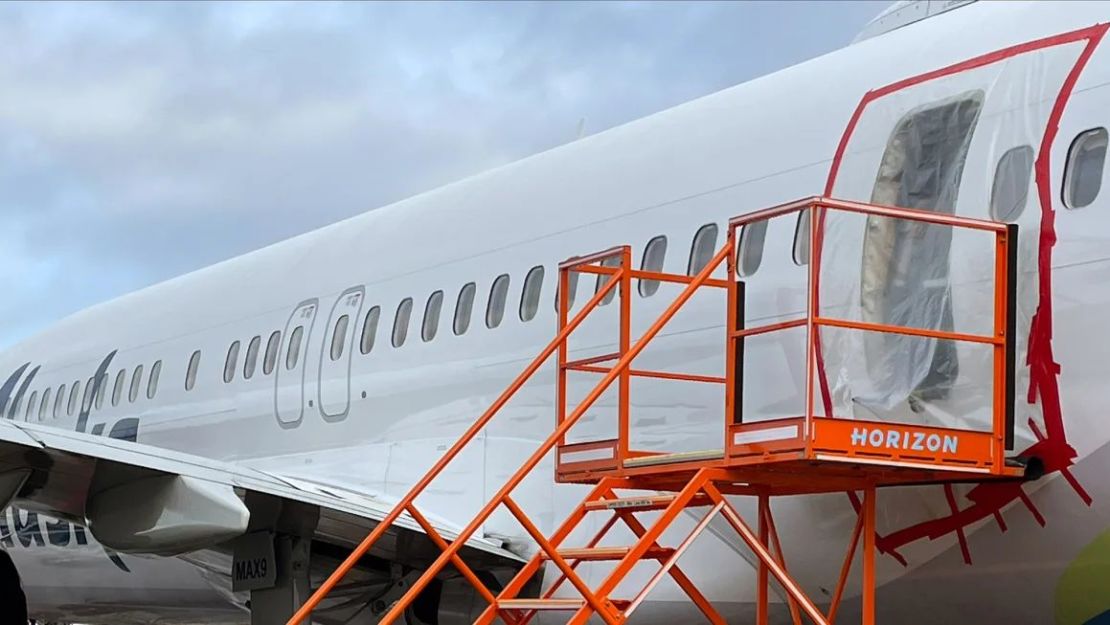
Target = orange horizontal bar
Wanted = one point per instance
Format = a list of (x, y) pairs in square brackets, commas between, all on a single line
[(675, 278), (785, 325), (575, 261), (774, 211), (889, 329), (597, 269), (869, 209), (574, 364), (664, 375), (912, 214)]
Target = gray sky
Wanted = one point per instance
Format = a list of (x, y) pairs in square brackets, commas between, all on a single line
[(142, 141)]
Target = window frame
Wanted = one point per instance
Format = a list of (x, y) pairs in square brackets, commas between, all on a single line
[(400, 333), (1067, 193), (152, 381), (273, 350), (117, 386), (1018, 209), (250, 359), (191, 371), (59, 401), (231, 363), (695, 247), (470, 288), (339, 337), (365, 346), (749, 229), (293, 349), (530, 301), (433, 309), (647, 288), (44, 406), (136, 384), (499, 289)]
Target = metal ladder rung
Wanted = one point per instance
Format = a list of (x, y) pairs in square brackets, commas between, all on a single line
[(595, 554), (685, 456), (639, 504)]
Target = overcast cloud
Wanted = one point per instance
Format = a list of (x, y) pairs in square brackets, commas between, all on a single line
[(141, 141)]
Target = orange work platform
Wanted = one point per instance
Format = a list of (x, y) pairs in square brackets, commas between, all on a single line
[(816, 450)]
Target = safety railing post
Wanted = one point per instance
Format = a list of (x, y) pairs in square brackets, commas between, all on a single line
[(812, 278), (625, 382), (561, 382), (732, 324)]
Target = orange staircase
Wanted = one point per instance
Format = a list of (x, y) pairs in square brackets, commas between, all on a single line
[(814, 452)]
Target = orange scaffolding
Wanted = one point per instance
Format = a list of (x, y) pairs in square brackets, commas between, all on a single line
[(805, 454)]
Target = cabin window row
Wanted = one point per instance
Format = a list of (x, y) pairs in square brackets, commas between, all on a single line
[(72, 399), (1009, 195)]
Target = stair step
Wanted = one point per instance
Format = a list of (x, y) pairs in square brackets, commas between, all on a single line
[(553, 605), (540, 604), (594, 554), (683, 456), (637, 504)]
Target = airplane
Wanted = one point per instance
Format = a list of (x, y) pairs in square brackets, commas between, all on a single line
[(299, 390)]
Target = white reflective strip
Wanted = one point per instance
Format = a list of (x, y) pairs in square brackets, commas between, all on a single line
[(585, 455), (900, 463), (762, 436)]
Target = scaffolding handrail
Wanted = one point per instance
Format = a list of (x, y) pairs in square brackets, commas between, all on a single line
[(616, 367), (622, 281)]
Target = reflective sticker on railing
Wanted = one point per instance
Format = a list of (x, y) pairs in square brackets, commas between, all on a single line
[(763, 436), (586, 455)]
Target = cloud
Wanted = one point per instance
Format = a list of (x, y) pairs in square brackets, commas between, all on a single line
[(140, 141)]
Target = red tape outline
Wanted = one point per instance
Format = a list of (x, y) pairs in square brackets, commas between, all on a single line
[(1052, 447)]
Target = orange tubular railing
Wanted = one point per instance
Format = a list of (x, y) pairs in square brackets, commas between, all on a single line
[(705, 481)]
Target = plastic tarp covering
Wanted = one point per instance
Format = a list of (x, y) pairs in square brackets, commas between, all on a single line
[(934, 146)]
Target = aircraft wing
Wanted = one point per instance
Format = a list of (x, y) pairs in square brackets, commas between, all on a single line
[(136, 498)]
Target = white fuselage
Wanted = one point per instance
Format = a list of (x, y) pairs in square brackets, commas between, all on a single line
[(375, 421)]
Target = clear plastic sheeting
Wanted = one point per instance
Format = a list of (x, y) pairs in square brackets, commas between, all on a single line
[(934, 146)]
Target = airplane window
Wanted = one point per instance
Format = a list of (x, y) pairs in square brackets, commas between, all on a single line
[(190, 374), (401, 322), (1011, 184), (74, 396), (272, 346), (15, 406), (464, 307), (86, 400), (45, 404), (370, 329), (602, 280), (751, 247), (1083, 173), (136, 383), (152, 384), (572, 286), (231, 362), (431, 316), (530, 296), (294, 353), (495, 309), (654, 253), (702, 249), (801, 239), (339, 337), (251, 361), (59, 401), (31, 405), (101, 391), (117, 390)]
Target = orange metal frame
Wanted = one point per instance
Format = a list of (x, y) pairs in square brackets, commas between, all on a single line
[(804, 454)]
